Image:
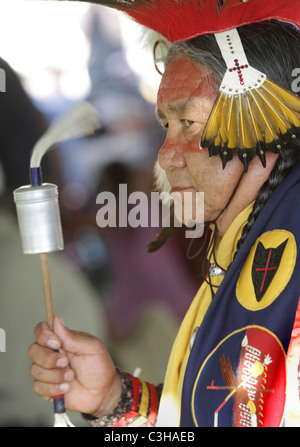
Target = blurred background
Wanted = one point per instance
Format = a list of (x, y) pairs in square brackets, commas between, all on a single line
[(54, 55)]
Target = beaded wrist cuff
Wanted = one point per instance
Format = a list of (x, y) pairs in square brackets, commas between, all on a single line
[(137, 407)]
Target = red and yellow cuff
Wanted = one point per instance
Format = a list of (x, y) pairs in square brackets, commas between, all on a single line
[(138, 405)]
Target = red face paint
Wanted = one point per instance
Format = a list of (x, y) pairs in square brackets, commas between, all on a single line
[(185, 99), (185, 79)]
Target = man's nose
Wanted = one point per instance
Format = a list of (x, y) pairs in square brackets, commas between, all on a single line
[(171, 154)]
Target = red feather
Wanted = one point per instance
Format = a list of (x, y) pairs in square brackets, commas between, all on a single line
[(179, 20)]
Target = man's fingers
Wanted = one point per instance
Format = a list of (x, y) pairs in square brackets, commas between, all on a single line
[(46, 357), (45, 337), (48, 390), (56, 375), (76, 342)]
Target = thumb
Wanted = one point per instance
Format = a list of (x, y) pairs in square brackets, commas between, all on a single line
[(74, 341)]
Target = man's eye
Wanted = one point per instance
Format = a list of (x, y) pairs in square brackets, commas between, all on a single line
[(188, 123)]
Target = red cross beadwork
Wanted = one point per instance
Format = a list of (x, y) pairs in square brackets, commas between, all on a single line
[(239, 69)]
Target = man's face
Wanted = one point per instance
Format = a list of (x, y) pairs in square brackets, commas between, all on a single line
[(185, 99)]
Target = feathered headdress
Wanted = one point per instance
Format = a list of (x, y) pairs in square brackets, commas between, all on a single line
[(252, 113), (179, 20)]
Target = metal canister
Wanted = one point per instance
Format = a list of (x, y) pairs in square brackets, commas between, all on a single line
[(39, 218)]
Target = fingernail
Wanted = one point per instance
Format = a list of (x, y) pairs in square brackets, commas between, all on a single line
[(69, 375), (64, 387), (62, 362), (53, 343)]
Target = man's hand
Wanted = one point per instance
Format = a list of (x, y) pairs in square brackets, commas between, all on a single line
[(82, 369)]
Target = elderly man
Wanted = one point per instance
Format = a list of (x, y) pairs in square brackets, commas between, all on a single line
[(231, 361)]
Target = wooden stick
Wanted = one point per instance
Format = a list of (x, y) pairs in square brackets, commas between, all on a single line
[(47, 289), (58, 401)]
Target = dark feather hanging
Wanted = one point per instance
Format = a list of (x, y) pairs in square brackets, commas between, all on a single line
[(163, 235)]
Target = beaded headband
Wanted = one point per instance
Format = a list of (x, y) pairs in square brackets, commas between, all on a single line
[(260, 114)]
